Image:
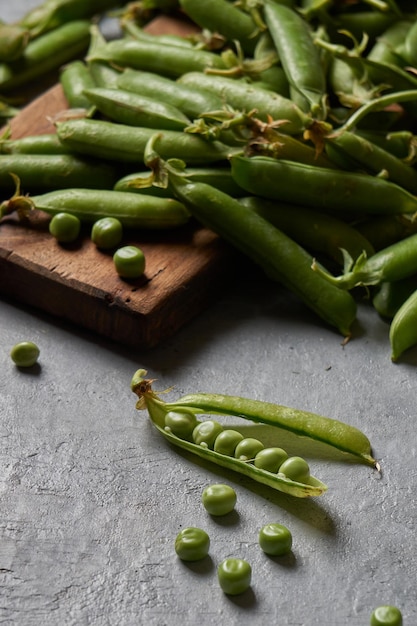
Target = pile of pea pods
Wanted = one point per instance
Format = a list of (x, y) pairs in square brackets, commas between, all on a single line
[(288, 127)]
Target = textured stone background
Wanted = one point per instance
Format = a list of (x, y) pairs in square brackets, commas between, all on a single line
[(91, 498)]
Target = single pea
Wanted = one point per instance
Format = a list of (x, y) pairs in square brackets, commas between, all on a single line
[(296, 469), (65, 227), (205, 433), (219, 499), (275, 539), (25, 354), (129, 262), (270, 459), (248, 448), (181, 423), (234, 576), (107, 232), (386, 616), (227, 441), (192, 544)]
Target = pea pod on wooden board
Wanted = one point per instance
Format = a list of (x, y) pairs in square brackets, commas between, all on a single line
[(75, 78), (158, 411)]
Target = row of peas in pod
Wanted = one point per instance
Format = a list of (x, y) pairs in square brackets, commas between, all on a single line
[(287, 127), (234, 574)]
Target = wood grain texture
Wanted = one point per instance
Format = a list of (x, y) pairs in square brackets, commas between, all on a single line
[(185, 268)]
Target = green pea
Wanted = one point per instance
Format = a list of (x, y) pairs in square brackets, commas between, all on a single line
[(227, 441), (386, 616), (234, 576), (107, 232), (25, 354), (65, 227), (219, 499), (192, 544), (275, 539), (181, 423), (129, 262), (248, 448), (270, 459), (296, 469), (205, 433)]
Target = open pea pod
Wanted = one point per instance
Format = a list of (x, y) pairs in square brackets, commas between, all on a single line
[(299, 422)]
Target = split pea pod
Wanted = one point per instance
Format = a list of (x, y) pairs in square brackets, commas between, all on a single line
[(245, 97), (55, 171), (191, 100), (395, 262), (333, 191), (315, 231), (89, 205), (204, 438), (168, 60), (279, 256), (133, 109), (299, 56), (45, 54), (126, 144), (403, 328), (225, 18), (333, 432)]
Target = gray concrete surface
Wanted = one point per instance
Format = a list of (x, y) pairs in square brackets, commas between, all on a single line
[(91, 499)]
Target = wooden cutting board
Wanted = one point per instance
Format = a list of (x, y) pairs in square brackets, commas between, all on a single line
[(185, 268)]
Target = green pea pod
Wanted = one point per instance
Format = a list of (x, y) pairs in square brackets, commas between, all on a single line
[(158, 409), (126, 144), (329, 190), (396, 262), (136, 110), (43, 172), (403, 328), (47, 143), (391, 296), (151, 56), (89, 205), (223, 17), (75, 78), (299, 57), (279, 256), (45, 54), (383, 50), (13, 41), (245, 97)]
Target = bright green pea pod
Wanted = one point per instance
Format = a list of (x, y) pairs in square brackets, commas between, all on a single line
[(89, 205), (45, 54), (13, 41), (333, 191), (299, 57), (158, 409), (403, 329), (75, 78), (33, 144), (133, 109), (396, 262)]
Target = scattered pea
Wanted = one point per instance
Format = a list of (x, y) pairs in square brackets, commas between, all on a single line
[(248, 448), (386, 616), (219, 499), (270, 459), (275, 539), (129, 262), (65, 227), (25, 354), (107, 232), (296, 468), (234, 576), (192, 544)]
